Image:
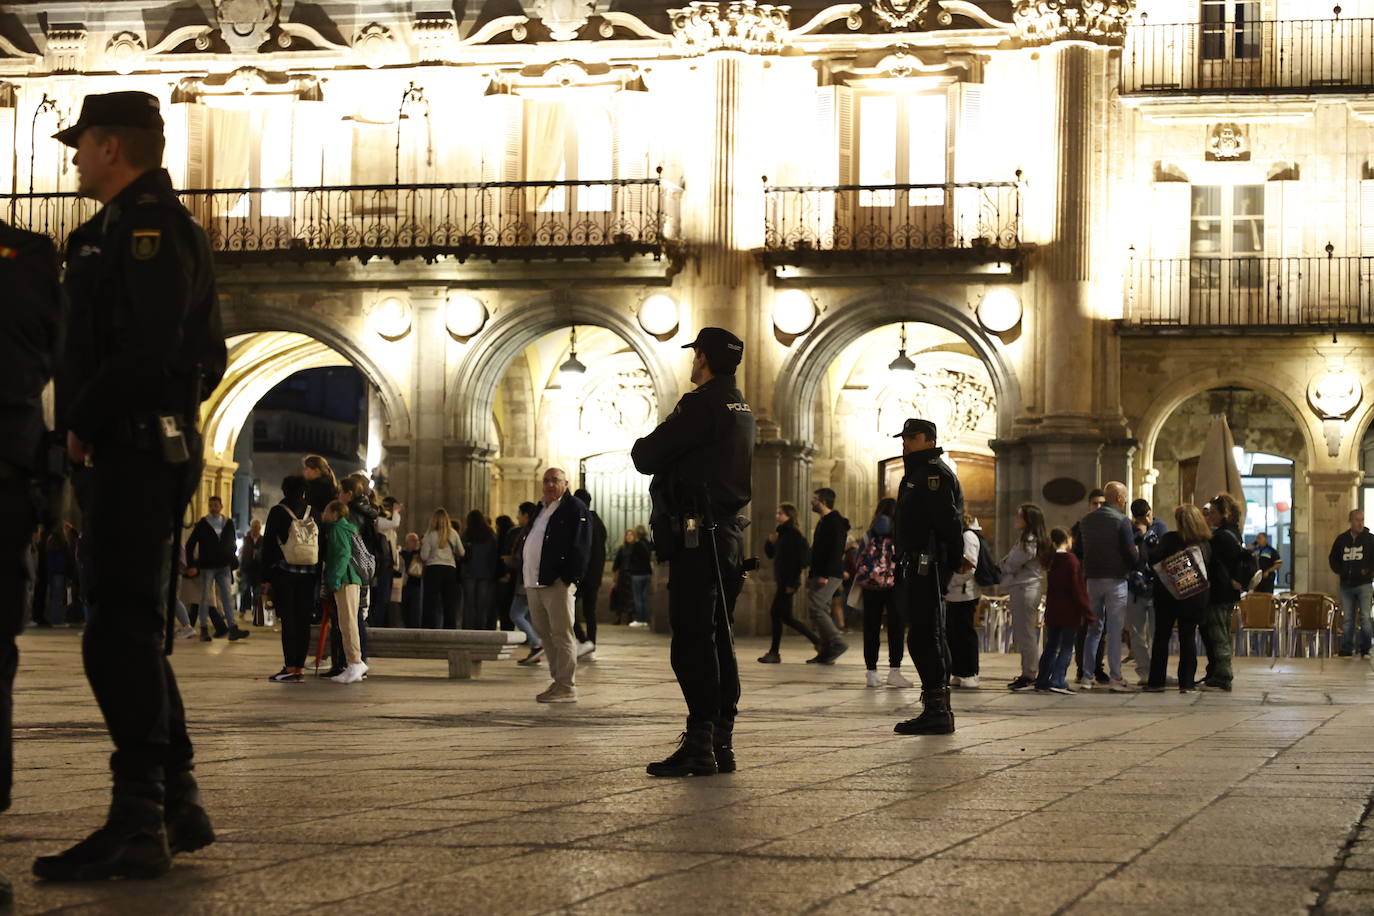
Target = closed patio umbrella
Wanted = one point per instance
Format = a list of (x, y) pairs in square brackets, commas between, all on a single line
[(1216, 467)]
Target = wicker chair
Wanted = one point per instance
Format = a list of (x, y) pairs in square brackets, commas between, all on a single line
[(1311, 617)]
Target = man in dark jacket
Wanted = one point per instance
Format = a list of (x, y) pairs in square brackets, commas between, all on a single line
[(702, 461), (1109, 555), (929, 543), (590, 588), (1352, 558), (31, 325), (145, 347), (553, 563), (212, 549), (827, 575)]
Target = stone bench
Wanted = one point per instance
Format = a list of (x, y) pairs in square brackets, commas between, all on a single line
[(464, 649)]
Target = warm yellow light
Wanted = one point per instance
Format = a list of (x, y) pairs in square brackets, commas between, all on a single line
[(1000, 310), (658, 315), (794, 312), (466, 315), (391, 319)]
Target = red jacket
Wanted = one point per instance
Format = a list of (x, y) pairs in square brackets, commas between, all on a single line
[(1066, 595)]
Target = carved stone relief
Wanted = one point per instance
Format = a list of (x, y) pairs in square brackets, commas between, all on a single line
[(244, 24)]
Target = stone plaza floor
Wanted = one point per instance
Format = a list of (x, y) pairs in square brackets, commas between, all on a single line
[(411, 793)]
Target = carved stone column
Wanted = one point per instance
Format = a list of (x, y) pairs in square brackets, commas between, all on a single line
[(469, 476), (517, 480), (1333, 494), (426, 486)]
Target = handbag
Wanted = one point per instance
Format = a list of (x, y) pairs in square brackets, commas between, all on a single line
[(416, 569), (1183, 574)]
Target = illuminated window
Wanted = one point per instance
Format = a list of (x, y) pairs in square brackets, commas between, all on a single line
[(571, 141), (903, 140), (252, 149), (1230, 30), (1227, 236)]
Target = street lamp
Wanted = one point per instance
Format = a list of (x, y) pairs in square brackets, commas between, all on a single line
[(572, 372), (902, 368)]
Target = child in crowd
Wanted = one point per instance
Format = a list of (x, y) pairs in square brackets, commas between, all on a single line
[(1066, 609), (342, 580)]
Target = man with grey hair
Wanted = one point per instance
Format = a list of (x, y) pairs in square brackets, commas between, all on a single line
[(1109, 555), (553, 563)]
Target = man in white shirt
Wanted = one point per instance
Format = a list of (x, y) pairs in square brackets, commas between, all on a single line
[(554, 562)]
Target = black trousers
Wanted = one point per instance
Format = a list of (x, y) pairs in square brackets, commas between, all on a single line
[(1167, 614), (880, 603), (441, 597), (587, 601), (923, 599), (294, 596), (130, 556), (703, 645), (16, 527), (781, 612), (963, 638)]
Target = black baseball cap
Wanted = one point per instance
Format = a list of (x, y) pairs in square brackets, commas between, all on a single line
[(720, 346), (912, 427), (114, 109)]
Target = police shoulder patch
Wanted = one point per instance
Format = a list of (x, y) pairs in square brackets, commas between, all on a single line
[(933, 482), (146, 243)]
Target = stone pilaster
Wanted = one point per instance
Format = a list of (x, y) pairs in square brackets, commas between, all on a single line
[(469, 476), (426, 485), (1332, 494), (516, 480)]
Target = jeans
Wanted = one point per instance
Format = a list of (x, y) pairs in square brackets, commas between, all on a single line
[(412, 603), (1140, 617), (880, 602), (640, 587), (1055, 660), (963, 638), (520, 616), (1355, 604), (1025, 615), (57, 599), (220, 578), (1107, 602), (818, 600), (552, 608)]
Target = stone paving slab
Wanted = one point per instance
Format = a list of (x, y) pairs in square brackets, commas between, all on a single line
[(413, 793)]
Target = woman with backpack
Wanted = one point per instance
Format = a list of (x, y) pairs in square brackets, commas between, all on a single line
[(343, 581), (289, 559), (961, 607), (1230, 562), (875, 575), (1023, 576), (788, 550), (440, 551), (1180, 559)]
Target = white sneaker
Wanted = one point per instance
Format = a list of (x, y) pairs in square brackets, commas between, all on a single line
[(895, 679), (638, 623), (875, 679), (1121, 686), (1086, 683), (351, 675), (186, 632), (969, 683), (585, 649)]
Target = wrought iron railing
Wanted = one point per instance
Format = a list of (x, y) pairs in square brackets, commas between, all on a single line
[(1308, 55), (889, 219), (1323, 291), (509, 219)]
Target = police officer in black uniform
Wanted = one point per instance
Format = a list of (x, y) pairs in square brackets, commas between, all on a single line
[(31, 322), (145, 344), (929, 541), (701, 458)]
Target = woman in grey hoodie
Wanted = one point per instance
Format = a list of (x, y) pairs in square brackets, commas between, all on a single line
[(1023, 576)]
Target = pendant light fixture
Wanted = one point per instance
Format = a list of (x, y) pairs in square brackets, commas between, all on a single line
[(902, 368), (572, 372)]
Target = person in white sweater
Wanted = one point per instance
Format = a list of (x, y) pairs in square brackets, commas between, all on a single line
[(1023, 576), (441, 551)]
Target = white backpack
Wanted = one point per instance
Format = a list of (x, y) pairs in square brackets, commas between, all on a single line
[(302, 544)]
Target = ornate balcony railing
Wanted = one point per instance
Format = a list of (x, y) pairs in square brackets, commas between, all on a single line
[(1235, 293), (886, 221), (494, 220), (1304, 55)]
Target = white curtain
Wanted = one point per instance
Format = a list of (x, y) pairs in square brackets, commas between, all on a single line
[(545, 155)]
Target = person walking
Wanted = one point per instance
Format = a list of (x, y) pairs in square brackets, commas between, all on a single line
[(787, 548), (412, 583), (961, 607), (929, 542), (292, 584), (520, 602), (826, 575), (1066, 607), (553, 562), (31, 327), (343, 580), (211, 550), (1140, 589), (701, 459), (1109, 555), (1023, 576), (875, 576), (1352, 559), (1185, 611), (480, 569), (589, 591), (634, 562), (440, 551), (145, 347)]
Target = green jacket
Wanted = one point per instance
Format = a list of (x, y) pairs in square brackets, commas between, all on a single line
[(338, 555)]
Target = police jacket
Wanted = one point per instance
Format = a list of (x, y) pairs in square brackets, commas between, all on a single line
[(145, 322), (701, 456), (31, 324), (930, 506)]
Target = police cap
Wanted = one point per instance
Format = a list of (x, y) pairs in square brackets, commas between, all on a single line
[(917, 427), (720, 346), (114, 109)]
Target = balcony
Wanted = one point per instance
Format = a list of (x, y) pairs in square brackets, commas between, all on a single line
[(965, 222), (492, 220), (1260, 56), (1249, 295)]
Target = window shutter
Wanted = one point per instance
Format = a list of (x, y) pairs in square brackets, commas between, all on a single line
[(834, 111), (1172, 228), (632, 148), (196, 146), (307, 144), (503, 126), (1367, 218), (966, 134)]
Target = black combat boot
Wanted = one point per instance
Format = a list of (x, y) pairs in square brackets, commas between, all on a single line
[(936, 718), (722, 738), (693, 757), (132, 844), (188, 826)]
